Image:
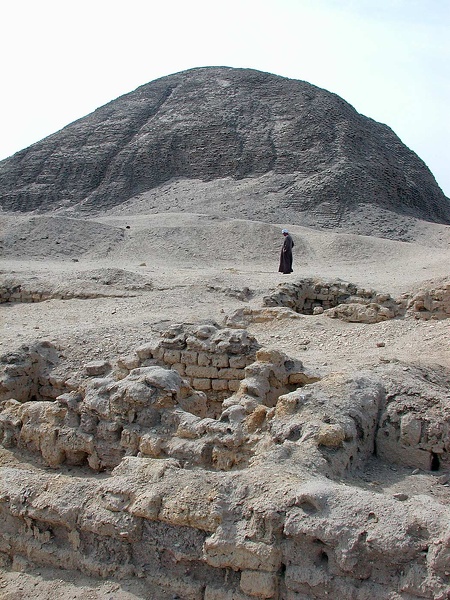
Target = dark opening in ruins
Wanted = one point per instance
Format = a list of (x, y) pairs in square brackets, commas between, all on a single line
[(295, 433), (307, 505), (435, 462)]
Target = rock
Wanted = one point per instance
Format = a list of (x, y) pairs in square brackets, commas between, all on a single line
[(401, 497), (331, 436), (360, 313), (259, 584), (97, 367)]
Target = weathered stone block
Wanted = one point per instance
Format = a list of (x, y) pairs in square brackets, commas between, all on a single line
[(146, 505), (159, 353), (259, 584), (150, 445), (299, 378), (214, 593), (197, 404), (256, 418), (146, 350), (219, 384), (220, 360), (189, 357), (128, 362), (231, 374), (203, 359), (234, 384), (179, 368), (286, 405), (241, 554), (297, 576), (238, 362), (202, 372), (330, 436), (412, 457), (48, 391), (97, 367), (410, 430), (201, 384), (172, 357)]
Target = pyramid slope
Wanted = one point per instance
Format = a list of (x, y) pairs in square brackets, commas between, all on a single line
[(325, 160)]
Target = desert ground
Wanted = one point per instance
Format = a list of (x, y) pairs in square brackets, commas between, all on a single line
[(178, 267), (140, 272)]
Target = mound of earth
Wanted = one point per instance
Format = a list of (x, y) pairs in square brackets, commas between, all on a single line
[(251, 142), (42, 237)]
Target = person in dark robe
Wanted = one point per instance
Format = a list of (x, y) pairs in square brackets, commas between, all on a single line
[(286, 253)]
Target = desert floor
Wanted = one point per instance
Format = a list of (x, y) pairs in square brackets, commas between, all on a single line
[(180, 267)]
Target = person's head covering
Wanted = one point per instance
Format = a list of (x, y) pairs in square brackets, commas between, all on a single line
[(284, 231)]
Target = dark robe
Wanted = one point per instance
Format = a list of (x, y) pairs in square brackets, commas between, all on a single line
[(286, 255)]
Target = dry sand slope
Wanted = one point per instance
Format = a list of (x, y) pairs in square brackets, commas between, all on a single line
[(187, 267), (130, 274)]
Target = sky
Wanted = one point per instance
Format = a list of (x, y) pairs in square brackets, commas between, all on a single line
[(62, 59)]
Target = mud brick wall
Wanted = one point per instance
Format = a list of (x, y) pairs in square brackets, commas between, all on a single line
[(27, 374), (213, 360), (12, 290), (414, 427), (208, 371), (17, 293), (307, 295)]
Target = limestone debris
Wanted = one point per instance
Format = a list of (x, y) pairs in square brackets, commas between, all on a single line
[(226, 470)]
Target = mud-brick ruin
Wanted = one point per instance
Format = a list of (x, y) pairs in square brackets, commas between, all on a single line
[(344, 300), (214, 469)]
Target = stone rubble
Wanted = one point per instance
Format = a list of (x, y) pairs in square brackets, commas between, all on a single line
[(432, 302), (336, 299), (342, 300), (221, 493)]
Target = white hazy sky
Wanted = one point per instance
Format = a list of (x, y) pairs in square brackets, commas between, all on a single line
[(61, 59)]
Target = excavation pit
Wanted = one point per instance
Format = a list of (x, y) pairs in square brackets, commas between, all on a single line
[(313, 296)]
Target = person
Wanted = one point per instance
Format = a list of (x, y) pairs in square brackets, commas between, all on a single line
[(286, 253)]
